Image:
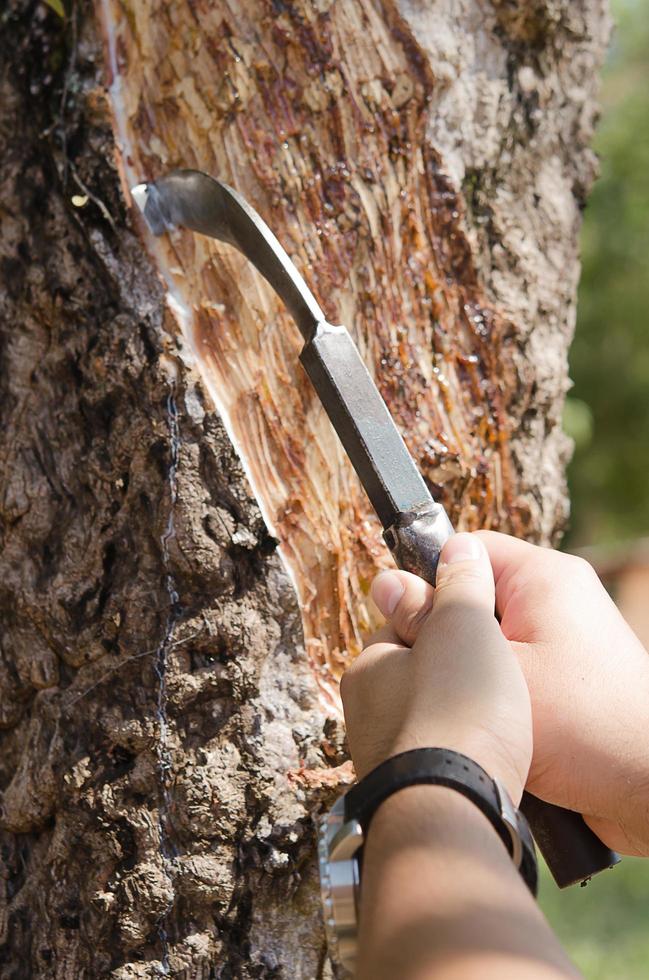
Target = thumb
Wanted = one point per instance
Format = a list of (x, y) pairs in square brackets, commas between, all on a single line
[(405, 600), (464, 574)]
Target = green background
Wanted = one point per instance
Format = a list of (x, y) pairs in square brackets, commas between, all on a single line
[(605, 926), (607, 412)]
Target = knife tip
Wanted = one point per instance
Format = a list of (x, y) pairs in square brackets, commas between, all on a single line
[(140, 193), (149, 199)]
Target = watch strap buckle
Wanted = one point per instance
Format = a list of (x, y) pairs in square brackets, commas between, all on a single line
[(509, 816)]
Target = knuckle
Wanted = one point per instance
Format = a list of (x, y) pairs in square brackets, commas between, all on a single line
[(371, 639), (457, 621), (357, 670), (564, 570), (546, 578), (417, 618), (560, 562), (347, 684), (457, 577), (582, 569)]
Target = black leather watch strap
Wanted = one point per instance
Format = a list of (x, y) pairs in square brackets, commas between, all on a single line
[(443, 767)]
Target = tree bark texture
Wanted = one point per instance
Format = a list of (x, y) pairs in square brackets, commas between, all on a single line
[(168, 701)]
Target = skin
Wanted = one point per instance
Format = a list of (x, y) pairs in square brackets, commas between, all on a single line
[(587, 675), (454, 681), (440, 896)]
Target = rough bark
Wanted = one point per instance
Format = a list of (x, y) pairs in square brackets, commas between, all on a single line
[(166, 736)]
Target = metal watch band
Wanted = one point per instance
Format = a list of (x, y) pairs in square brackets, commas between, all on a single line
[(443, 767)]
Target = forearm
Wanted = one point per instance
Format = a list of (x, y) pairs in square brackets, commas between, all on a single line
[(441, 898)]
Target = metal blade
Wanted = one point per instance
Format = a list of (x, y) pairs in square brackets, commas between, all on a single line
[(360, 416), (194, 200)]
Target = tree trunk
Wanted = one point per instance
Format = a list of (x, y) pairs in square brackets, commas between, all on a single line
[(168, 700)]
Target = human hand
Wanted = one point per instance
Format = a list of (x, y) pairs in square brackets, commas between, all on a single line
[(588, 677), (459, 687)]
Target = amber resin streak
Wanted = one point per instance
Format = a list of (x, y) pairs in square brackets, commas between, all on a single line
[(330, 149)]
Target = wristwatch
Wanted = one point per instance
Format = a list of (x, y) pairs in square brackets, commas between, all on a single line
[(343, 830)]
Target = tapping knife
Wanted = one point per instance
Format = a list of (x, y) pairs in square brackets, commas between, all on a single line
[(415, 525)]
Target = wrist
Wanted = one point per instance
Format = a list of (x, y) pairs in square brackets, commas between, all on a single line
[(435, 818), (433, 865), (437, 766), (478, 744), (415, 834), (343, 831)]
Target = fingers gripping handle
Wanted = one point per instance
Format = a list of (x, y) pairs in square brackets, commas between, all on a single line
[(571, 850)]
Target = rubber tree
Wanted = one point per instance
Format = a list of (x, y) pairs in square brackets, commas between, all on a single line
[(186, 553)]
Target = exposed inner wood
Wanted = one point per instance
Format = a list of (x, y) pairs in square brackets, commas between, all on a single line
[(329, 149)]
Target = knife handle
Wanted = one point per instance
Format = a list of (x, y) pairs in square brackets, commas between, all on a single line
[(571, 850), (416, 538)]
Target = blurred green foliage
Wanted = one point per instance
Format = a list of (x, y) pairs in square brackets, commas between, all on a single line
[(605, 927), (608, 411)]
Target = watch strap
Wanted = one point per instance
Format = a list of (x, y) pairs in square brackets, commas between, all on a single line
[(445, 767)]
